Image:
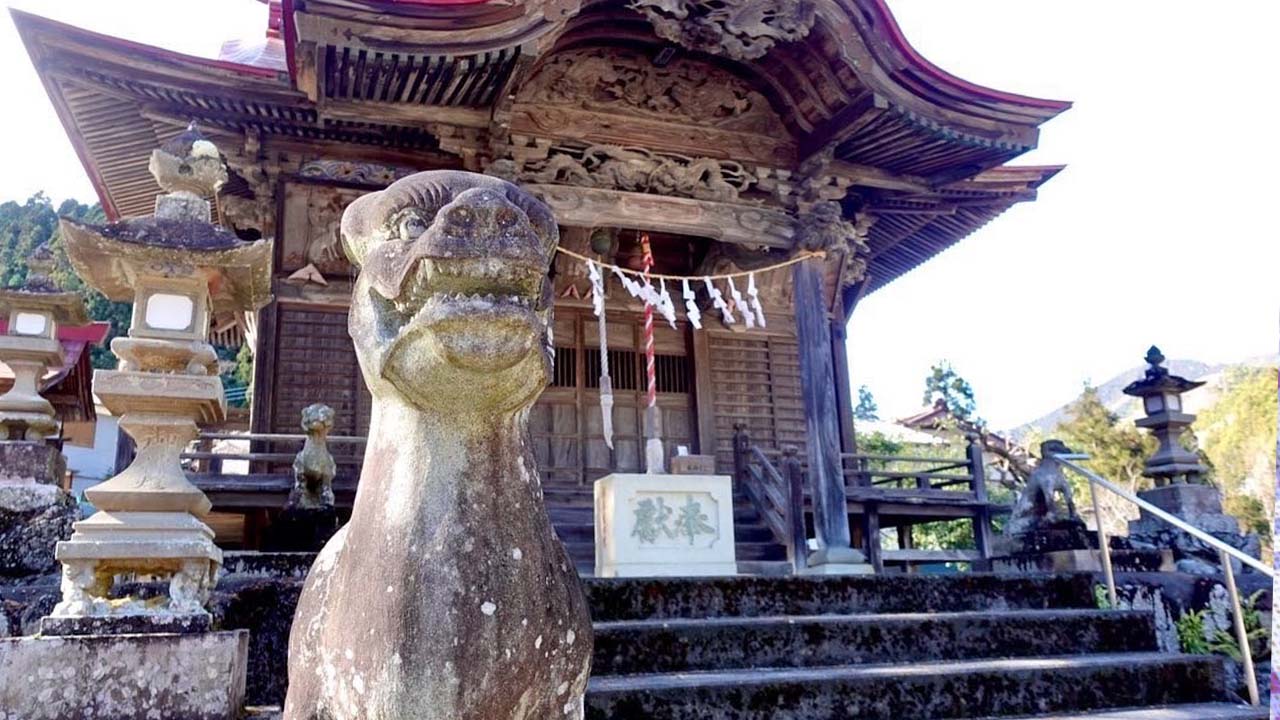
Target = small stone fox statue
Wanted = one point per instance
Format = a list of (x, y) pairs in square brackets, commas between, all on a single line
[(313, 467)]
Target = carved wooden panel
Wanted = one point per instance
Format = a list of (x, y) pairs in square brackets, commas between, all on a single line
[(309, 232), (617, 95)]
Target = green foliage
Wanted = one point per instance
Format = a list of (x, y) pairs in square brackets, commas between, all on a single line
[(944, 383), (1190, 629), (1238, 436), (1117, 450), (1101, 597), (877, 443), (27, 225), (1191, 632), (866, 408)]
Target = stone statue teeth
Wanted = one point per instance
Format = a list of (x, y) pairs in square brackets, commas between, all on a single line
[(447, 595)]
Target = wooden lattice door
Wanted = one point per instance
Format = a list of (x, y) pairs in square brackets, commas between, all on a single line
[(566, 424)]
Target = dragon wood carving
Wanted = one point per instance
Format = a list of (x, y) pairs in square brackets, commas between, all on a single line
[(621, 80), (635, 169), (737, 29), (447, 595)]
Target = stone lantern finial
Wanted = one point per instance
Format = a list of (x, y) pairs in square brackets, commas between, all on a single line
[(189, 168)]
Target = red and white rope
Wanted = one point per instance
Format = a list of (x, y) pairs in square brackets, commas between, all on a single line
[(650, 368)]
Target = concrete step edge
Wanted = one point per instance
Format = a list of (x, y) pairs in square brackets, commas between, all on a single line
[(766, 621), (768, 676), (1196, 711)]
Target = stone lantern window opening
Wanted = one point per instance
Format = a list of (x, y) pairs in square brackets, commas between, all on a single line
[(31, 324), (170, 309)]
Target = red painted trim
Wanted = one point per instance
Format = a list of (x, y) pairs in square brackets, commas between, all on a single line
[(893, 33), (93, 333)]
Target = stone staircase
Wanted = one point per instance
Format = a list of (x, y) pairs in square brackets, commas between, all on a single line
[(891, 647), (570, 510)]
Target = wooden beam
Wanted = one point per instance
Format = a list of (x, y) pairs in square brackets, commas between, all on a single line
[(402, 113), (750, 225), (703, 392), (868, 176)]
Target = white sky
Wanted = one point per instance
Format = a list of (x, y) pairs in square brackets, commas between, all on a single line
[(1158, 231)]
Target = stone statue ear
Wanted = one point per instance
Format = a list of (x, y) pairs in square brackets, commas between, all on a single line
[(361, 223)]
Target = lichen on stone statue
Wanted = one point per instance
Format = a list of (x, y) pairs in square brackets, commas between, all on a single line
[(447, 595)]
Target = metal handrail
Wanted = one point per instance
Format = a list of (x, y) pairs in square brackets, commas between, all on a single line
[(1225, 553)]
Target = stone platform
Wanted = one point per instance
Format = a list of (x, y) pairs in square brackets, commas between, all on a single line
[(177, 677)]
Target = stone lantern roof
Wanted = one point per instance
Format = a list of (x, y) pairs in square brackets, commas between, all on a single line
[(41, 293), (179, 240), (1157, 380), (109, 258)]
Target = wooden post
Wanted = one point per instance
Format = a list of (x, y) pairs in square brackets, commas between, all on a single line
[(871, 525), (1242, 633), (741, 446), (798, 542), (822, 422), (844, 390), (982, 515)]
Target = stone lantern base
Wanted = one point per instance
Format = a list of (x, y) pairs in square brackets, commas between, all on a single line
[(35, 513), (1201, 506), (147, 526), (197, 676)]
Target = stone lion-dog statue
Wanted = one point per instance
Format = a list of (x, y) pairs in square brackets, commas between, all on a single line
[(447, 595)]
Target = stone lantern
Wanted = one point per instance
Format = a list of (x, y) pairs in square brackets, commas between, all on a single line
[(178, 269), (1181, 488), (31, 345), (1161, 395), (35, 512)]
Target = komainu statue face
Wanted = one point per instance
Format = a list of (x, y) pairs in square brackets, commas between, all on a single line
[(452, 305)]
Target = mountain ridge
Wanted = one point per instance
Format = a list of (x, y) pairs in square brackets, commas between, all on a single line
[(1111, 394)]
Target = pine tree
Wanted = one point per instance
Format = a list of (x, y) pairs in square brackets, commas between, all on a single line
[(866, 408), (1117, 452), (944, 383)]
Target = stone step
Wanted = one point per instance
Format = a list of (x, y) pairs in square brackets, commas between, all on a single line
[(664, 598), (959, 689), (684, 645), (1196, 711)]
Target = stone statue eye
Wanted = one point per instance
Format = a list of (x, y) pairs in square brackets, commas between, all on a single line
[(460, 215), (412, 225), (507, 217)]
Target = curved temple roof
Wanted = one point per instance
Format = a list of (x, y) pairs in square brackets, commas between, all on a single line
[(429, 83)]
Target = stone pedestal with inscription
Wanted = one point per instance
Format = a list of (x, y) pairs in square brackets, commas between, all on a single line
[(664, 525)]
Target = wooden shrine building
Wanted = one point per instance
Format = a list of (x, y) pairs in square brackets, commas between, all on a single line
[(733, 134)]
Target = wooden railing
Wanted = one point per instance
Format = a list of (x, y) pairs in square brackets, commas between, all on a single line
[(778, 495), (776, 483), (948, 474), (204, 457)]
